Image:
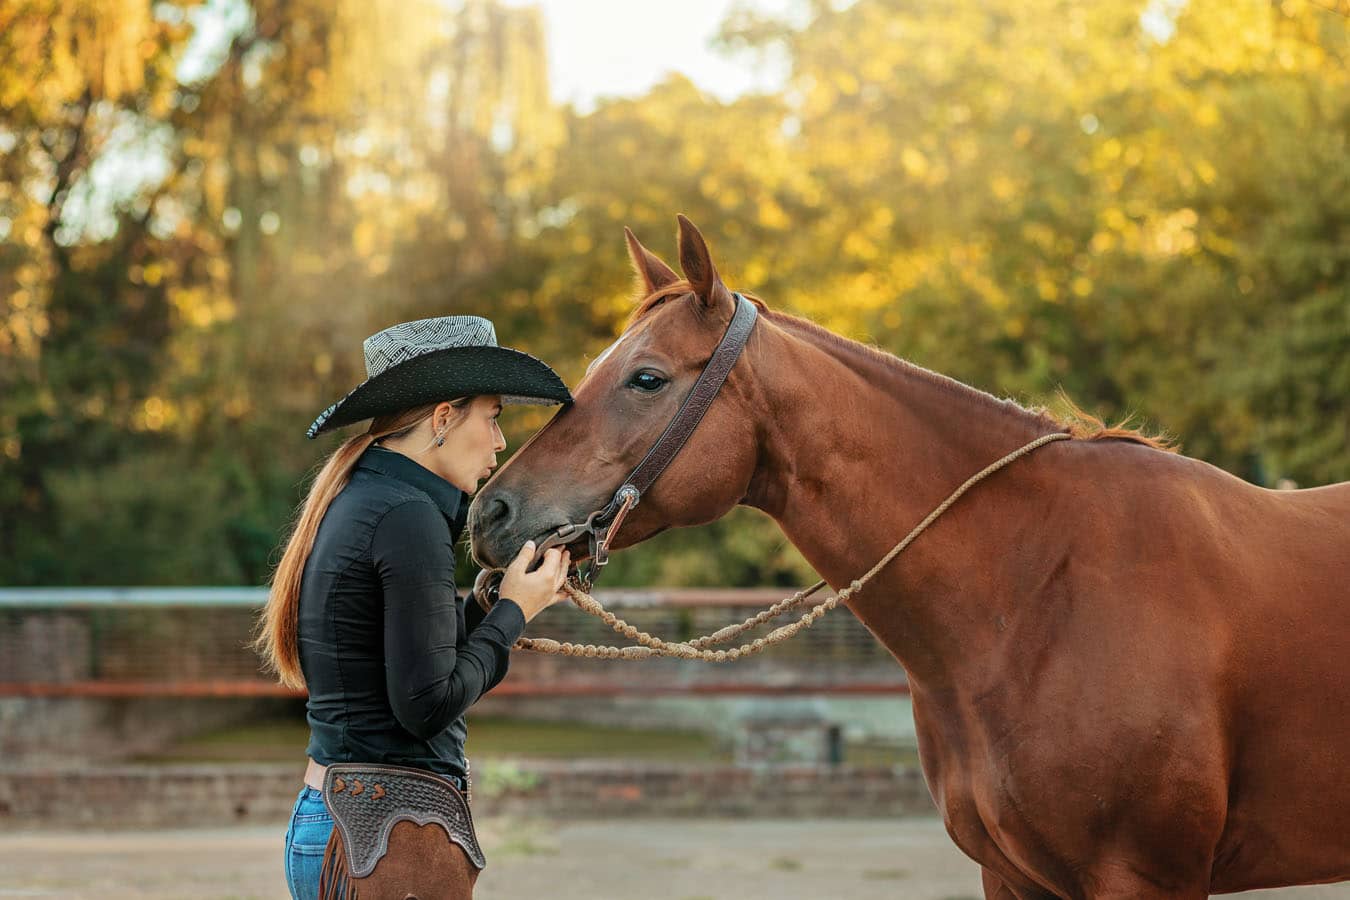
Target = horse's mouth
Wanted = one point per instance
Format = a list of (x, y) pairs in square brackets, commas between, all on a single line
[(491, 576), (579, 546)]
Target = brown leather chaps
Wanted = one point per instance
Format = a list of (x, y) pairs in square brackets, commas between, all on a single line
[(398, 834)]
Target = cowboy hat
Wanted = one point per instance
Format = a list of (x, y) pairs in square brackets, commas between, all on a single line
[(436, 359)]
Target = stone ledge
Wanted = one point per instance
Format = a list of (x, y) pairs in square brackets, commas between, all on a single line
[(132, 796)]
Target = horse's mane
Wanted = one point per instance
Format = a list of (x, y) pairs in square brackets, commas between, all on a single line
[(648, 302), (1084, 426), (1079, 423)]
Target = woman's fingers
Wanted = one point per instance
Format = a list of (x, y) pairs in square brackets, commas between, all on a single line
[(552, 568), (564, 563), (549, 564), (523, 557)]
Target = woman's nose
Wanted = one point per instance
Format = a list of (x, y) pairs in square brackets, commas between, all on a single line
[(499, 444)]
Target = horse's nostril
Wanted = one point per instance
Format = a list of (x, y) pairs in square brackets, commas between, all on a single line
[(498, 512)]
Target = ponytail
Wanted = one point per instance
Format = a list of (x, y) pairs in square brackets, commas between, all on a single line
[(277, 638)]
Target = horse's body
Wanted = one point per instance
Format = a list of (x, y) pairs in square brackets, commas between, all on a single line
[(1128, 668)]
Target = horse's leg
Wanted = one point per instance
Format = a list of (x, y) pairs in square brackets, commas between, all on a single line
[(1145, 890), (1114, 884), (1120, 881), (995, 888)]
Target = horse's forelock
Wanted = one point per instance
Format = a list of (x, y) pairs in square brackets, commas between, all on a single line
[(649, 302)]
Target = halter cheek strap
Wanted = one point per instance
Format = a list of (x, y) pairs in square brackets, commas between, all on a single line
[(603, 524)]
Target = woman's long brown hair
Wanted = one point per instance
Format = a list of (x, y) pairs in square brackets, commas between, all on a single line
[(276, 640)]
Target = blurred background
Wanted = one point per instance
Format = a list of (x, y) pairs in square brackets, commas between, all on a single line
[(206, 206)]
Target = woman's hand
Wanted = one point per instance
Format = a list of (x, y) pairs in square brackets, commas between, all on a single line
[(535, 591)]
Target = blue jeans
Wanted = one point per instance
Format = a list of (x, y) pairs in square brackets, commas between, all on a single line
[(306, 838)]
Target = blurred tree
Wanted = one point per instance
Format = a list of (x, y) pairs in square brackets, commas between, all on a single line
[(204, 207), (83, 343), (1115, 198)]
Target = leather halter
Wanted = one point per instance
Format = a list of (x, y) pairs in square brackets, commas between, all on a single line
[(601, 526)]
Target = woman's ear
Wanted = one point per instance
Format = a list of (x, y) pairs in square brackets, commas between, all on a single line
[(443, 415)]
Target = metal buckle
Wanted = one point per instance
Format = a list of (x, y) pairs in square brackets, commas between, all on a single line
[(599, 537), (626, 497)]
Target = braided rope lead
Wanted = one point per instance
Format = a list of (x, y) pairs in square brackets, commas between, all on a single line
[(649, 646)]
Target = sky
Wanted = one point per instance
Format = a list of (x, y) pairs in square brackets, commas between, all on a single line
[(602, 48), (608, 48), (596, 49)]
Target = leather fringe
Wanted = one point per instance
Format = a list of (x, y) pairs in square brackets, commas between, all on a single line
[(335, 881)]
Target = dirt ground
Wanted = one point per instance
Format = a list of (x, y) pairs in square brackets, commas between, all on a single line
[(645, 860)]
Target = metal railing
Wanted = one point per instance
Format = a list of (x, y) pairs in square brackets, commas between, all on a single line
[(192, 642)]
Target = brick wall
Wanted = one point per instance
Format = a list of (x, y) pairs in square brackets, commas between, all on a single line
[(214, 796), (146, 797), (600, 790), (53, 730)]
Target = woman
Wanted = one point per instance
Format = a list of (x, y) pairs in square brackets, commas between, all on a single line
[(363, 610)]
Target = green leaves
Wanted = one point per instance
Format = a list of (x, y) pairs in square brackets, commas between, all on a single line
[(1147, 204)]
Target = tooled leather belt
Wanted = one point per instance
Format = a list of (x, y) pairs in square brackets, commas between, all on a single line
[(314, 773)]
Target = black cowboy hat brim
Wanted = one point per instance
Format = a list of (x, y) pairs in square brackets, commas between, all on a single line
[(446, 375)]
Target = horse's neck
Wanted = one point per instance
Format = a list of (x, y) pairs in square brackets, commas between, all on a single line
[(857, 448)]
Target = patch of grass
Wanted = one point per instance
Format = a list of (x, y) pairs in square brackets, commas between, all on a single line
[(527, 845), (495, 777), (514, 737), (265, 741), (285, 741), (861, 753), (786, 864), (885, 874)]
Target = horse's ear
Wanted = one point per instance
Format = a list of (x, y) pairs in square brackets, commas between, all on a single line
[(654, 273), (698, 266)]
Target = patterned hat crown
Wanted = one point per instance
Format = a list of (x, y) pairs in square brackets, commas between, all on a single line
[(400, 343), (431, 360)]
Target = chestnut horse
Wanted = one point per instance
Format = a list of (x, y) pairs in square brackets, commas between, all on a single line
[(1130, 670)]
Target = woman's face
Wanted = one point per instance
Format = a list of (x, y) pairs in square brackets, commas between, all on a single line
[(471, 445)]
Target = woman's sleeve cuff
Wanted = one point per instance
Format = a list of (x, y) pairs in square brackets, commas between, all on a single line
[(507, 617)]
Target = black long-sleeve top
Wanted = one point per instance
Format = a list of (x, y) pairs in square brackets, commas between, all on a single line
[(391, 656)]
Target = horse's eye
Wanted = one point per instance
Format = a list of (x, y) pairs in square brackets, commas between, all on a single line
[(647, 381)]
